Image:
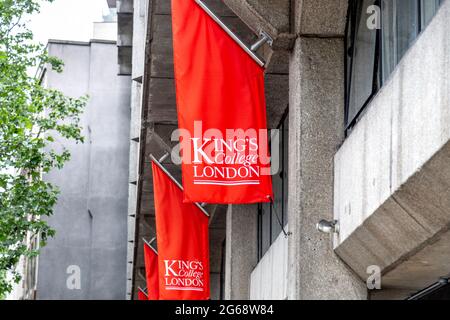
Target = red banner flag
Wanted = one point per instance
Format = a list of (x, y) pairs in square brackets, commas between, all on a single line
[(142, 295), (183, 244), (221, 112), (151, 272)]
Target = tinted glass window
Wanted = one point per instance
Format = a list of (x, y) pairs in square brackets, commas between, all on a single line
[(379, 33), (363, 60), (272, 217)]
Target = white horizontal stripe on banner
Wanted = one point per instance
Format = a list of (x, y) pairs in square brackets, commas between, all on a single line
[(214, 182), (184, 288)]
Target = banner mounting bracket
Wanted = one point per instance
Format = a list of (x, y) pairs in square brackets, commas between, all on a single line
[(150, 244), (155, 161), (264, 38), (164, 157), (252, 54)]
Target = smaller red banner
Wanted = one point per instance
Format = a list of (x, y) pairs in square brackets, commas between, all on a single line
[(151, 272), (183, 243)]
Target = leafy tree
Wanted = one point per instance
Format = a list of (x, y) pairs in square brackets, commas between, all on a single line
[(31, 118)]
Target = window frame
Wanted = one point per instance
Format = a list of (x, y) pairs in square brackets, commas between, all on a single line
[(378, 79), (284, 174)]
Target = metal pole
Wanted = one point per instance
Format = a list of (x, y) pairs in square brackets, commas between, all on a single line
[(149, 244), (442, 282), (264, 38), (164, 157), (258, 60), (176, 182), (143, 291)]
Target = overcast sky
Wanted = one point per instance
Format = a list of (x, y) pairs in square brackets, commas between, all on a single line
[(67, 20)]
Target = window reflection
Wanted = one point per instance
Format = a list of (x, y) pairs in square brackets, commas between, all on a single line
[(272, 218), (373, 54)]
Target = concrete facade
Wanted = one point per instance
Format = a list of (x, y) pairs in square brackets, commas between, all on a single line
[(392, 180), (316, 130), (90, 217), (385, 182), (241, 251)]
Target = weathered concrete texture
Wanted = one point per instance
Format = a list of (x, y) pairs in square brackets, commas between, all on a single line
[(272, 16), (389, 294), (277, 97), (241, 250), (316, 130), (139, 31), (269, 278), (392, 186), (91, 215), (325, 18), (138, 12)]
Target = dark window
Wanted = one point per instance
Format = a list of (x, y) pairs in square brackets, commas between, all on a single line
[(373, 52), (428, 9), (437, 291), (271, 217), (362, 65)]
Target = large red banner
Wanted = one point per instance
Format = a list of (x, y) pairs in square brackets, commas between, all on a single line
[(221, 112), (151, 272), (183, 244)]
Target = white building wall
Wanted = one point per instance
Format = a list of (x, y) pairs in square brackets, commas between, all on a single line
[(269, 279)]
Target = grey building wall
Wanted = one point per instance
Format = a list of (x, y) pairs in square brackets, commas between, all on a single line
[(90, 218)]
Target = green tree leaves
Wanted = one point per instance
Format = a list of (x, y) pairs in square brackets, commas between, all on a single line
[(32, 120)]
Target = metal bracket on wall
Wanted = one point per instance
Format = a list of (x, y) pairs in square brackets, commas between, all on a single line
[(326, 226), (264, 38), (149, 243), (249, 51), (176, 182)]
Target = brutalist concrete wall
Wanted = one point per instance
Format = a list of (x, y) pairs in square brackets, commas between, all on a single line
[(140, 20), (241, 250), (316, 129), (392, 185), (90, 218)]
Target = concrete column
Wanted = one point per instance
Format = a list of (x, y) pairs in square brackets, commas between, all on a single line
[(316, 129), (241, 250)]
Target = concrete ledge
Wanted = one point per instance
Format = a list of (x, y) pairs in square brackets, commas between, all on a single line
[(392, 174)]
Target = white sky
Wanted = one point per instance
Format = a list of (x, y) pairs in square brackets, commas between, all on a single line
[(67, 20)]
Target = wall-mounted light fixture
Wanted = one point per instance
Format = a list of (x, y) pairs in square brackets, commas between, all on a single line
[(326, 226)]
